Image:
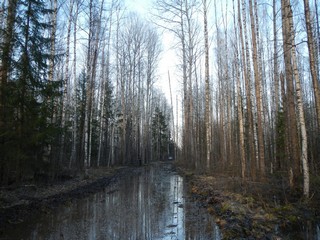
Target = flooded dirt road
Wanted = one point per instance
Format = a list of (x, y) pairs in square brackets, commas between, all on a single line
[(152, 204)]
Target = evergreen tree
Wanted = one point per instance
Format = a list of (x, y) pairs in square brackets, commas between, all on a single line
[(29, 131), (7, 36), (280, 140), (160, 135)]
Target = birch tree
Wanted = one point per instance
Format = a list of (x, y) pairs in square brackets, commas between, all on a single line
[(207, 84), (290, 96), (258, 91), (291, 60), (312, 60), (239, 101), (246, 76)]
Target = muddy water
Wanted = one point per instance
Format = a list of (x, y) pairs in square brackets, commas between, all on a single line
[(150, 205)]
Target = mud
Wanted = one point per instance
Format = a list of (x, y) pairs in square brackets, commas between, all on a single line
[(21, 203), (244, 212)]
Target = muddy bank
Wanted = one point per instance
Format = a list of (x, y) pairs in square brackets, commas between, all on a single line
[(254, 212), (21, 203)]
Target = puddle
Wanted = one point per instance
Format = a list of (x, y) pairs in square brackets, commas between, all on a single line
[(305, 230), (152, 205)]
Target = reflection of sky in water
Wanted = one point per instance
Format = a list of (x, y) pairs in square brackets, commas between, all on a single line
[(149, 206)]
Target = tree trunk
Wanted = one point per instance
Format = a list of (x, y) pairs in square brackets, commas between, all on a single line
[(207, 86), (53, 39), (66, 81), (186, 124), (74, 151), (291, 119), (6, 57), (276, 101), (7, 43), (258, 91), (246, 76), (312, 61), (304, 140), (240, 107)]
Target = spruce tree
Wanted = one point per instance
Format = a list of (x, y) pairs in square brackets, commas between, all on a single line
[(29, 130), (160, 135), (7, 39)]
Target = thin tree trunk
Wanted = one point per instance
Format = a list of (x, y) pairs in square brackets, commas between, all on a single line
[(172, 111), (207, 85), (89, 90), (276, 82), (312, 61), (258, 93), (304, 140), (240, 107), (66, 81), (104, 78), (74, 151), (290, 97), (186, 124), (53, 39), (102, 126), (246, 76)]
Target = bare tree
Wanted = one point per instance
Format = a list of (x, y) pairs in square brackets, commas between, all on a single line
[(276, 103), (291, 60), (207, 84), (257, 80), (66, 82), (74, 150), (178, 17), (290, 96), (54, 7), (239, 101), (246, 76), (312, 60)]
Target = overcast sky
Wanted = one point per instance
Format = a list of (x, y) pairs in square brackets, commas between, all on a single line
[(168, 60), (141, 6)]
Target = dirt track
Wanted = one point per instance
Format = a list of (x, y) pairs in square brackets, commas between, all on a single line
[(19, 204)]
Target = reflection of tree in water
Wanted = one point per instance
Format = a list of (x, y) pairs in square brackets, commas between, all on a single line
[(146, 206), (152, 206), (139, 206)]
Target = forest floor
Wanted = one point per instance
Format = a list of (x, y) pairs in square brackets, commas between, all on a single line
[(19, 203), (255, 210)]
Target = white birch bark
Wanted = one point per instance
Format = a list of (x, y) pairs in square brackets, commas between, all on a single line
[(246, 76), (66, 80), (258, 91), (239, 104), (312, 61), (207, 85), (53, 38), (302, 124), (75, 84)]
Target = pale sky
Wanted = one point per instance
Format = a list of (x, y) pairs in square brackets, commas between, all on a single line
[(168, 59), (140, 6)]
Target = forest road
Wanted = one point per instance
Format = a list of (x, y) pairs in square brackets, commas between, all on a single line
[(150, 203)]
